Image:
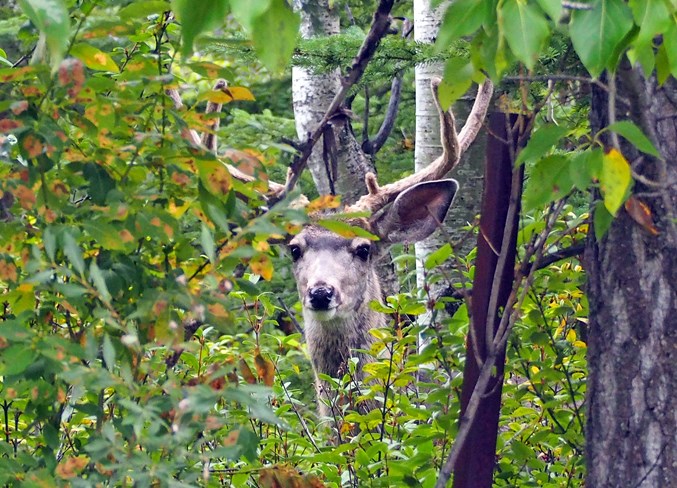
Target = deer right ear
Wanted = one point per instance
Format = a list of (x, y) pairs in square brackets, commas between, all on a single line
[(416, 212)]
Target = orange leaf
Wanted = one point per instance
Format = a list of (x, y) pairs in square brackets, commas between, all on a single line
[(246, 372), (641, 213), (265, 369), (262, 266), (71, 466), (323, 202)]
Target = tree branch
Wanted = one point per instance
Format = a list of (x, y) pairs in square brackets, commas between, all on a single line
[(379, 28)]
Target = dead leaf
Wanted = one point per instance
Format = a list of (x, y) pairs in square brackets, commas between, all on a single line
[(641, 213)]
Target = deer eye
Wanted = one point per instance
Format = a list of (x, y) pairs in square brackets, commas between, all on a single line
[(295, 252), (362, 251)]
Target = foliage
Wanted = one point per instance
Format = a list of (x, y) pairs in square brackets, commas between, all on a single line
[(117, 233)]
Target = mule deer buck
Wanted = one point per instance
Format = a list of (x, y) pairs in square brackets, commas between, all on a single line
[(336, 276)]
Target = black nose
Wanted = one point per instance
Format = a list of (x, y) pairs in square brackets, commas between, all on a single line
[(320, 296)]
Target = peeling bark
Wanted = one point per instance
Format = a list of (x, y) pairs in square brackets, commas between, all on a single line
[(632, 291)]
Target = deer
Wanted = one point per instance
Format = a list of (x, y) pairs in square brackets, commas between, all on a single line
[(336, 276)]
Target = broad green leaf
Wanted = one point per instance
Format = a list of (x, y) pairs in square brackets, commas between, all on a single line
[(602, 220), (207, 241), (541, 142), (458, 75), (99, 281), (634, 134), (274, 35), (462, 18), (94, 58), (585, 168), (525, 29), (143, 9), (438, 256), (549, 180), (615, 180), (596, 33), (247, 11), (345, 230), (643, 54), (198, 17), (73, 253), (52, 20), (652, 17), (670, 45), (3, 58), (551, 7), (16, 359)]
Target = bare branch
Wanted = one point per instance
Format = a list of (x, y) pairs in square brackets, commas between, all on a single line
[(379, 28)]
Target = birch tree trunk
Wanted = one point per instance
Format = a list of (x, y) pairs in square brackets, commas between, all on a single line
[(312, 94), (632, 291), (428, 147)]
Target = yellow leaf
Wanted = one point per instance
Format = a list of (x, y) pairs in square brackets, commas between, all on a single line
[(214, 176), (262, 266), (94, 58), (323, 202), (571, 335), (615, 180)]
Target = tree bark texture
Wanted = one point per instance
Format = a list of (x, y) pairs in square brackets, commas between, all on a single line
[(312, 94), (476, 461), (632, 290)]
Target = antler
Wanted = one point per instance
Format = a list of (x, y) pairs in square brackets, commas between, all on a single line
[(208, 141), (453, 146)]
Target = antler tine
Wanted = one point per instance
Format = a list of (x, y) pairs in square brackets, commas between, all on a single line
[(453, 146), (210, 140)]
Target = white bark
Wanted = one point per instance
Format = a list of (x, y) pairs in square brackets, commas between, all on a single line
[(312, 94), (428, 146)]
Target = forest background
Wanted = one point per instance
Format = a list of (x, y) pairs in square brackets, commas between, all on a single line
[(148, 331)]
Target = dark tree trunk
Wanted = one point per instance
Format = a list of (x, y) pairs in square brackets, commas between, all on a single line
[(475, 465), (632, 350)]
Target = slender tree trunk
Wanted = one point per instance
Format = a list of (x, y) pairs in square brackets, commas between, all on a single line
[(632, 291), (312, 94), (428, 147)]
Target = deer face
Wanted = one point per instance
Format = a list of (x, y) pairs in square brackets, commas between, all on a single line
[(334, 275)]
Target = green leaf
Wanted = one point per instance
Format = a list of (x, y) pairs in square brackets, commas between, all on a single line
[(99, 281), (525, 29), (108, 352), (670, 45), (16, 359), (247, 11), (100, 182), (49, 241), (615, 180), (52, 20), (652, 17), (541, 142), (274, 35), (438, 256), (634, 134), (198, 17), (73, 253), (551, 7), (462, 18), (94, 58), (346, 230), (458, 74), (585, 168), (548, 181), (143, 9), (596, 33), (602, 220), (207, 241)]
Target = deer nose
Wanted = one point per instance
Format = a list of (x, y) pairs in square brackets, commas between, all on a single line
[(320, 296)]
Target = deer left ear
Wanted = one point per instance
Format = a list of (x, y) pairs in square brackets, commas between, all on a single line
[(416, 212)]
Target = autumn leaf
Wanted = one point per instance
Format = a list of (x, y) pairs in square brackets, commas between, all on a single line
[(641, 213), (246, 372), (262, 266), (615, 180), (71, 466), (265, 369), (323, 202)]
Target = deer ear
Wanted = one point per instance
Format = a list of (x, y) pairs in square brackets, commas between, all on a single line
[(416, 212)]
